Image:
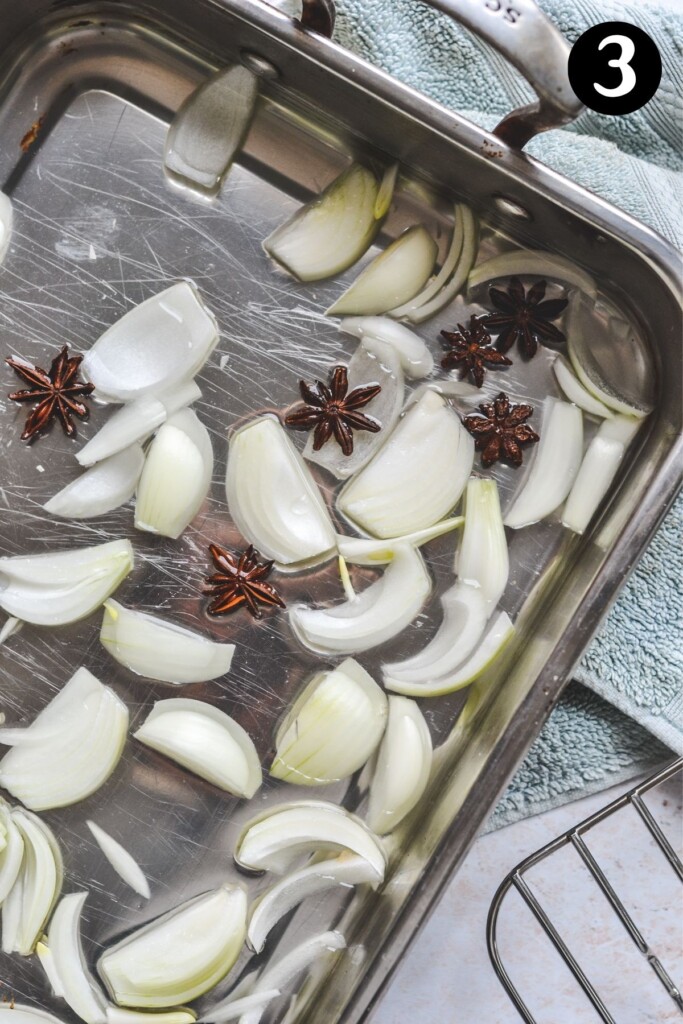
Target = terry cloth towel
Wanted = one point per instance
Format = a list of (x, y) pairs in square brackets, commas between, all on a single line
[(624, 714)]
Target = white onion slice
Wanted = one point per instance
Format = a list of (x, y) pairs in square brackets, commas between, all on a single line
[(136, 421), (403, 765), (386, 191), (273, 498), (458, 389), (445, 273), (393, 277), (122, 1015), (12, 854), (332, 728), (125, 866), (10, 626), (179, 956), (576, 392), (532, 263), (176, 476), (101, 488), (379, 613), (5, 224), (580, 340), (78, 987), (30, 902), (272, 840), (379, 366), (14, 1013), (209, 128), (47, 962), (498, 634), (368, 551), (598, 469), (416, 359), (83, 731), (63, 586), (482, 559), (155, 346), (416, 477), (157, 649), (326, 236), (206, 741), (554, 465)]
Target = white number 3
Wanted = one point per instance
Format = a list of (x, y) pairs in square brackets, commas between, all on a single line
[(628, 75)]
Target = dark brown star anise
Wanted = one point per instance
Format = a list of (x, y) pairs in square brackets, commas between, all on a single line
[(56, 391), (333, 410), (523, 317), (500, 430), (471, 351), (240, 579)]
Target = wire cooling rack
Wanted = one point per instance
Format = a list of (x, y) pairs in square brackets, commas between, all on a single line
[(576, 839)]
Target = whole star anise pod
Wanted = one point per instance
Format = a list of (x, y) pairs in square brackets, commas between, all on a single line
[(500, 430), (523, 317), (240, 580), (333, 410), (471, 351), (56, 391)]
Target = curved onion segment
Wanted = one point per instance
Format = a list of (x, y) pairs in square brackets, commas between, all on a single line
[(416, 477), (30, 902), (157, 649), (273, 499), (332, 729), (271, 841), (393, 277), (155, 346), (532, 263), (403, 766), (100, 489), (82, 731), (5, 224), (209, 129), (122, 862), (330, 233), (77, 986), (119, 1015), (12, 852), (379, 613), (416, 359), (14, 1013), (483, 556), (63, 586), (369, 551), (598, 469), (576, 392), (206, 741), (555, 463), (179, 956)]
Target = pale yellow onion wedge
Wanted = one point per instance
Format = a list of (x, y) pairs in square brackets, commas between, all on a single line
[(497, 636), (576, 392), (156, 346), (274, 500), (369, 551), (16, 1013), (123, 863), (124, 1015), (273, 839), (532, 263), (374, 616), (12, 854), (5, 224), (37, 888), (393, 277), (416, 359), (482, 558), (386, 191), (158, 649), (555, 462), (416, 477), (77, 986), (206, 741), (101, 488), (179, 956), (403, 765), (433, 287), (332, 728), (328, 235), (598, 469)]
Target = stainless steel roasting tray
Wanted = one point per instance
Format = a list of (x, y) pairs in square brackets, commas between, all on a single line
[(89, 88)]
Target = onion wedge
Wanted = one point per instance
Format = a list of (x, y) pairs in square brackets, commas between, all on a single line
[(379, 613), (555, 463), (483, 556), (272, 840), (100, 489), (273, 498), (63, 586), (5, 224), (329, 234), (34, 894), (332, 729), (77, 987), (204, 740), (125, 866), (12, 853), (417, 476), (598, 469), (14, 1013), (393, 277), (119, 1015), (532, 263), (416, 359), (576, 392), (179, 956), (368, 551), (403, 765), (10, 627), (158, 649), (155, 346)]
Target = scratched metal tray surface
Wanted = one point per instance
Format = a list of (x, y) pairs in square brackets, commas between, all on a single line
[(97, 230)]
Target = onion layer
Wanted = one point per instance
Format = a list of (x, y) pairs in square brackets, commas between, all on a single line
[(36, 890), (100, 489), (403, 766), (531, 263), (368, 551), (576, 392), (122, 862), (416, 359), (12, 853), (598, 469), (14, 1013), (77, 986), (483, 556)]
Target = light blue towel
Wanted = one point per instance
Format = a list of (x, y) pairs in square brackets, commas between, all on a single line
[(632, 710)]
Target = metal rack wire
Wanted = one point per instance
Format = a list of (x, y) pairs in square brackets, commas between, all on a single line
[(575, 838)]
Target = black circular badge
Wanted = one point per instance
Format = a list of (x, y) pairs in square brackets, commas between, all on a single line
[(615, 68)]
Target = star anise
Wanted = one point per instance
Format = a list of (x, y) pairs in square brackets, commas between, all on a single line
[(240, 579), (523, 317), (333, 410), (471, 351), (56, 391), (500, 430)]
